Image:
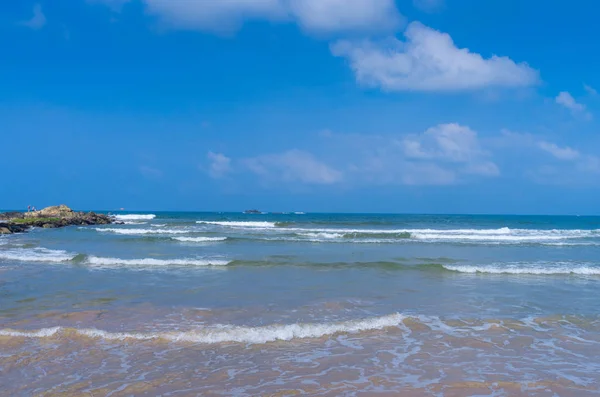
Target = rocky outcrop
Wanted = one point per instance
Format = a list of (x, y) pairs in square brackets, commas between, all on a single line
[(10, 228), (57, 211), (50, 217)]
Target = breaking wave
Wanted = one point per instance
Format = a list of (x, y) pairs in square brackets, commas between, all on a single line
[(199, 239), (36, 255), (135, 217), (101, 261), (240, 224), (534, 268), (141, 231), (505, 235), (226, 333)]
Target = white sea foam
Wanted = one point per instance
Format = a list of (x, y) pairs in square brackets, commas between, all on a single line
[(134, 223), (42, 333), (487, 236), (535, 268), (141, 231), (199, 239), (36, 255), (228, 333), (322, 235), (152, 262), (242, 224), (135, 217)]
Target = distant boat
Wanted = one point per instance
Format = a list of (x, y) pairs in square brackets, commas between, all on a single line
[(252, 212)]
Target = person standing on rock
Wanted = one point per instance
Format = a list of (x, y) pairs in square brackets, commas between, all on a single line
[(28, 208)]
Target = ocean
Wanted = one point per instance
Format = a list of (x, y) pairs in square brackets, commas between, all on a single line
[(179, 304)]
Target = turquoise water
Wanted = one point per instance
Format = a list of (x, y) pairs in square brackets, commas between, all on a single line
[(448, 299)]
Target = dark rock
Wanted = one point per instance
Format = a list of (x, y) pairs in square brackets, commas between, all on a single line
[(10, 228)]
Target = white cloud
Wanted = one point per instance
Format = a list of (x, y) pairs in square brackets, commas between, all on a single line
[(314, 16), (346, 15), (444, 154), (220, 165), (590, 90), (561, 153), (577, 109), (428, 60), (450, 143), (428, 5), (38, 20), (293, 166)]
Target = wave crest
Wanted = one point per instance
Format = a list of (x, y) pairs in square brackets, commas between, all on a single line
[(135, 217), (102, 261), (140, 231), (199, 239), (36, 255), (239, 224), (542, 268), (227, 333)]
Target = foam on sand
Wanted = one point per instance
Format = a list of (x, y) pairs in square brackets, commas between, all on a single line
[(239, 224), (153, 262), (199, 239), (135, 217), (36, 255), (226, 333)]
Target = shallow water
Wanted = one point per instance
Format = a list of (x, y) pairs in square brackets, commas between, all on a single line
[(319, 304)]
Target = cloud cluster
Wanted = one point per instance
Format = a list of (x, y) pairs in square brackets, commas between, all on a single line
[(313, 16), (428, 60), (442, 155), (451, 144)]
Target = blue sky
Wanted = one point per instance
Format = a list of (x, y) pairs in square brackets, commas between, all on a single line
[(429, 106)]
